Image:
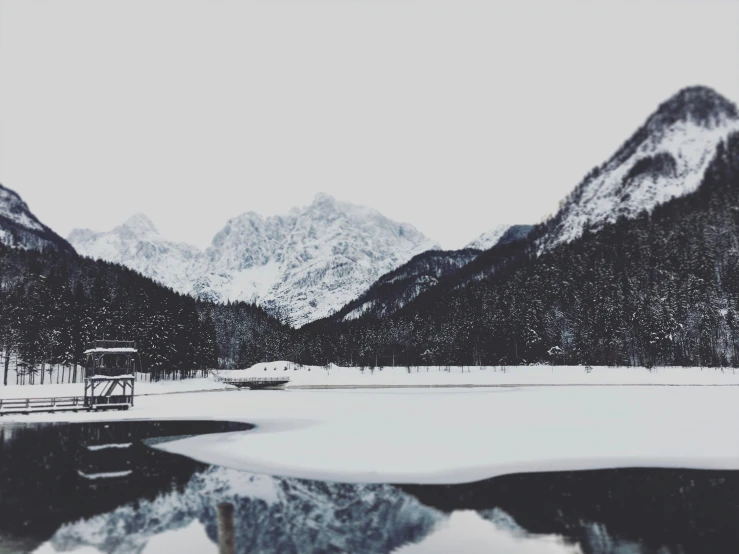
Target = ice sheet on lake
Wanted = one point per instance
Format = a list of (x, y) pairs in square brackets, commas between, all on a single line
[(450, 435), (447, 436)]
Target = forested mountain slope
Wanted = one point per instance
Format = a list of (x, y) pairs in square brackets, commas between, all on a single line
[(53, 303), (665, 158), (423, 272), (659, 288), (395, 289)]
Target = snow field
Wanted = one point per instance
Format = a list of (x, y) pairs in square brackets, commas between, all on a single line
[(423, 376)]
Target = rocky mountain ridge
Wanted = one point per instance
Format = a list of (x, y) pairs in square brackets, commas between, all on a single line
[(303, 265)]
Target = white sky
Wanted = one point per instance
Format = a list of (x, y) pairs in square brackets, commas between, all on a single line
[(453, 116)]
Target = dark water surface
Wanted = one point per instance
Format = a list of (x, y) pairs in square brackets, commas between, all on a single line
[(55, 473), (100, 485)]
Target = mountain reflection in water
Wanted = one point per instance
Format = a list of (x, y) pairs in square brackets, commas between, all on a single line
[(137, 499)]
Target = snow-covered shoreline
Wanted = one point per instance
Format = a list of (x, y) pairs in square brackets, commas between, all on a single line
[(335, 377), (142, 388)]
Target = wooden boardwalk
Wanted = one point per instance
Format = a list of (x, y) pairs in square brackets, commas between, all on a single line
[(52, 404)]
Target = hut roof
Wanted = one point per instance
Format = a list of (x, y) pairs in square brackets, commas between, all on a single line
[(111, 350)]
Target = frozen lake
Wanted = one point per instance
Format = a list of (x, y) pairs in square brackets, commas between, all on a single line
[(61, 492), (596, 469)]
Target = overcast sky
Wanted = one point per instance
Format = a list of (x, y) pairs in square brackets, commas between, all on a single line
[(453, 116)]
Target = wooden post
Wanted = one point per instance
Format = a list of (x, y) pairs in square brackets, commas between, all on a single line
[(225, 528)]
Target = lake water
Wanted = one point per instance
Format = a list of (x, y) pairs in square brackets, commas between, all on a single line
[(64, 487)]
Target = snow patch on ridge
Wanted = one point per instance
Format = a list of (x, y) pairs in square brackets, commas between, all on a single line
[(489, 238)]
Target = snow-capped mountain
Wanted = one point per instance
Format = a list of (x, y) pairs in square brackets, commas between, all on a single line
[(489, 238), (304, 265), (309, 263), (137, 244), (500, 234), (19, 228), (665, 158)]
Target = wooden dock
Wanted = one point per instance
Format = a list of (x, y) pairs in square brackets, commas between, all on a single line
[(53, 404), (254, 382)]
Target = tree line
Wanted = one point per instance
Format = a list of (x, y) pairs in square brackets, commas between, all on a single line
[(53, 304)]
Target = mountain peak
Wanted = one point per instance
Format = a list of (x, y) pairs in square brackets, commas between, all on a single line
[(323, 198), (250, 216), (665, 158), (698, 104), (10, 193), (137, 244), (325, 203), (140, 223)]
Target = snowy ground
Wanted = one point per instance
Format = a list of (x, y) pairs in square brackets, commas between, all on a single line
[(452, 435), (317, 376)]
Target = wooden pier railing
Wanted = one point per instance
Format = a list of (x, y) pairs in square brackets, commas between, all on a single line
[(58, 404)]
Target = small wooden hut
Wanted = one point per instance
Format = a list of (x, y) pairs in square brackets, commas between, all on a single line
[(110, 372)]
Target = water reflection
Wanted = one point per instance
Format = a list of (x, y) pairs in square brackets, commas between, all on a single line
[(59, 495), (51, 474), (472, 532), (640, 511), (272, 515)]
